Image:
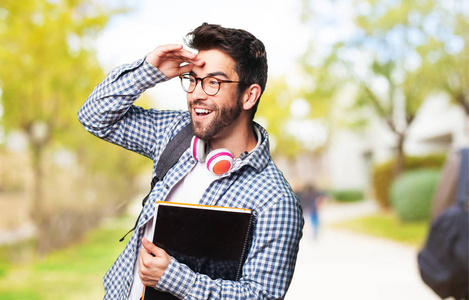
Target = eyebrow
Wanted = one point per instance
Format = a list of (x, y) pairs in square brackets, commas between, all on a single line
[(218, 73)]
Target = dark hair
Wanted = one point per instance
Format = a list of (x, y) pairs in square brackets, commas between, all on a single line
[(244, 48)]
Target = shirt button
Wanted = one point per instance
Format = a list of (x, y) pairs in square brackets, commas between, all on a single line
[(166, 186)]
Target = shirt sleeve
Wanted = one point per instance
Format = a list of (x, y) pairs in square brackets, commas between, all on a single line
[(268, 269), (109, 113)]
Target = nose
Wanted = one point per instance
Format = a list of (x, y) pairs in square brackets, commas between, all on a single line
[(198, 92)]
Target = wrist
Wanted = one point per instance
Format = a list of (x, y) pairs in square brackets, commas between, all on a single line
[(150, 58), (177, 279), (151, 75)]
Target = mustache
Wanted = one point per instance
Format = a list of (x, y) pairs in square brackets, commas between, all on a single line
[(201, 104)]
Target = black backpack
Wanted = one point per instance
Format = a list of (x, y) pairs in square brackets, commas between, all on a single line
[(444, 260), (171, 154)]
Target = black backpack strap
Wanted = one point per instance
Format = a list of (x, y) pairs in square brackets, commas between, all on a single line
[(171, 154), (173, 151), (462, 187)]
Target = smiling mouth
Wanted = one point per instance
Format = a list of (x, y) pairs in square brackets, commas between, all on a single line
[(200, 112)]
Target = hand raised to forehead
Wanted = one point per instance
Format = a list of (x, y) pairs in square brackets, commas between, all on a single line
[(169, 59)]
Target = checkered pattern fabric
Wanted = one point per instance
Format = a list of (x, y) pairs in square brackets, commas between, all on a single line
[(255, 183)]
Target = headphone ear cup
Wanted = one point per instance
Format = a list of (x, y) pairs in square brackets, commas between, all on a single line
[(198, 149), (219, 161)]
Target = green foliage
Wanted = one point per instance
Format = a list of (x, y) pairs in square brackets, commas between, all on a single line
[(346, 195), (446, 52), (321, 84), (49, 67), (412, 194), (388, 225), (399, 54), (383, 174), (278, 112), (72, 273), (273, 113)]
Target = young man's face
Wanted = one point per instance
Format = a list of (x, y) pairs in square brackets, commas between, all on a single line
[(211, 114)]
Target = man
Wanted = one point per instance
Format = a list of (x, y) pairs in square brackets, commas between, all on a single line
[(224, 82)]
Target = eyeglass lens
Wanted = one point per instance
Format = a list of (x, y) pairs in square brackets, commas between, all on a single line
[(209, 84)]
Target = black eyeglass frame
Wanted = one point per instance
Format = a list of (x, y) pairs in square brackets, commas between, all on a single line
[(197, 79)]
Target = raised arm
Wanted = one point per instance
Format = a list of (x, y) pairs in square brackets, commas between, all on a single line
[(108, 112)]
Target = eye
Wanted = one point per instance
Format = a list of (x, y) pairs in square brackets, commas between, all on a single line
[(212, 81)]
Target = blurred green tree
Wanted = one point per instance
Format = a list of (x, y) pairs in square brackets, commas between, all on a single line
[(273, 113), (292, 114), (446, 50), (48, 67), (396, 53)]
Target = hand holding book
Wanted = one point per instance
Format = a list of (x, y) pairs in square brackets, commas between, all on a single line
[(152, 262), (210, 240)]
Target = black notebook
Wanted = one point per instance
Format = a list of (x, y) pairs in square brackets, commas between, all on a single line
[(210, 240)]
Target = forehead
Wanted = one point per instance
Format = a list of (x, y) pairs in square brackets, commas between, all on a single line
[(216, 61)]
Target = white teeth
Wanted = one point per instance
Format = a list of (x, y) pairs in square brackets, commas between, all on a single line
[(202, 111)]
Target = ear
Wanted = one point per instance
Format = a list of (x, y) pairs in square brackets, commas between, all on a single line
[(250, 96)]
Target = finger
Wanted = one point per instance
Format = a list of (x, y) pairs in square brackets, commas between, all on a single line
[(178, 51), (145, 262), (145, 254), (186, 68), (199, 62), (170, 48), (150, 247), (141, 266), (188, 57)]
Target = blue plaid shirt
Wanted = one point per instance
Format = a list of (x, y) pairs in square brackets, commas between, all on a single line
[(255, 183)]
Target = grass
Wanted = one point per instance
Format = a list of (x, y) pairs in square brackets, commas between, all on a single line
[(72, 273), (387, 225), (76, 272)]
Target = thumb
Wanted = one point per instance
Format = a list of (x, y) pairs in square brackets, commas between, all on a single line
[(149, 246)]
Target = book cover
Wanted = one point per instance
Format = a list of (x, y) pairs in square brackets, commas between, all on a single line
[(211, 240)]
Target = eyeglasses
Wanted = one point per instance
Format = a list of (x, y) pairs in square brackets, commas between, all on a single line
[(210, 84)]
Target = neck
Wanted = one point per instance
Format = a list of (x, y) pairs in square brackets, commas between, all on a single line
[(238, 140)]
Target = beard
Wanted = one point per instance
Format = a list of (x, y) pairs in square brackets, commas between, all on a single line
[(223, 118)]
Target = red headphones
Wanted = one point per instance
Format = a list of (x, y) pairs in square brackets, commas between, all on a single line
[(218, 161)]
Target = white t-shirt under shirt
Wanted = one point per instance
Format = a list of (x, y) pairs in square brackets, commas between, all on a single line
[(189, 190)]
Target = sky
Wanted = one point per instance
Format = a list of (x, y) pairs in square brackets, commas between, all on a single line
[(132, 35)]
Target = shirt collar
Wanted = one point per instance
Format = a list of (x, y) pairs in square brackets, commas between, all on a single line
[(259, 157)]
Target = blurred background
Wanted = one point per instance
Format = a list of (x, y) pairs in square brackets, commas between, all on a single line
[(366, 103)]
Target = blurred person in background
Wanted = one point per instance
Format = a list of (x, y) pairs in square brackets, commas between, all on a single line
[(311, 199)]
